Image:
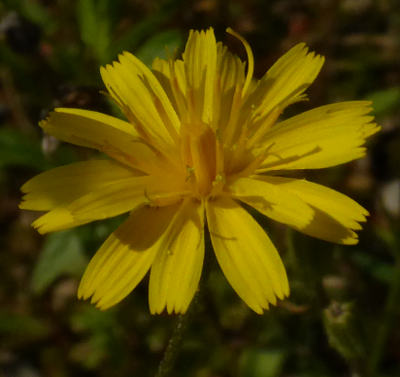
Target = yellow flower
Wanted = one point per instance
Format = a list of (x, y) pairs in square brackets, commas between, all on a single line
[(202, 137)]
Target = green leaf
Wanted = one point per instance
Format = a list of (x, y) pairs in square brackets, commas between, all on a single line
[(92, 320), (370, 264), (62, 254), (385, 101), (95, 27), (101, 334), (38, 14), (159, 46), (17, 149), (137, 34), (260, 362), (22, 326)]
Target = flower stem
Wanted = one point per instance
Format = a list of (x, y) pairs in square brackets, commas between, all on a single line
[(174, 345)]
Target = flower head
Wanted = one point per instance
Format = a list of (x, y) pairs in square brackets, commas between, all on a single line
[(202, 137)]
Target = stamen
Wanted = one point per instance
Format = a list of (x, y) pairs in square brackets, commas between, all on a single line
[(150, 201), (189, 173), (250, 59)]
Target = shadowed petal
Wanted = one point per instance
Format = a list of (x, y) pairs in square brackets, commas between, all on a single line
[(336, 216), (126, 256), (286, 81), (326, 136), (105, 133), (142, 98), (176, 271), (246, 255), (270, 200)]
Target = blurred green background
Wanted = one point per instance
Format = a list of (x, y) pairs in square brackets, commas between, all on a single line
[(343, 315)]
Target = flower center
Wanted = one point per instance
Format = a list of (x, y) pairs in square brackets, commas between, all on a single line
[(200, 156)]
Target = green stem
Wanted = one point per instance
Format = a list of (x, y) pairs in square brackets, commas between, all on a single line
[(175, 342), (174, 346), (387, 322)]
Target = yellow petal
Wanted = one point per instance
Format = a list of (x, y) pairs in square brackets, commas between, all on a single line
[(57, 219), (62, 185), (230, 81), (125, 257), (246, 255), (160, 98), (161, 69), (172, 77), (231, 70), (200, 60), (106, 201), (115, 198), (176, 271), (286, 80), (102, 132), (143, 96), (143, 99), (336, 215), (280, 205), (319, 138)]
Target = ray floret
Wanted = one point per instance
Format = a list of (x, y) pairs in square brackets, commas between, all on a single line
[(203, 139)]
